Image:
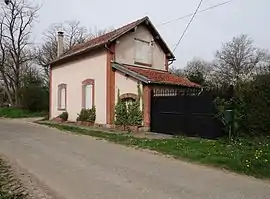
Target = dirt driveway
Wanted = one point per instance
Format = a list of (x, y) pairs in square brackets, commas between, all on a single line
[(82, 167)]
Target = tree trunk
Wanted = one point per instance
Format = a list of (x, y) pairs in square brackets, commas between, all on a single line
[(9, 96)]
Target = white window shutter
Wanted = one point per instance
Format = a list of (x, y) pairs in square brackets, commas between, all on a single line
[(149, 54), (143, 52), (63, 98), (88, 96)]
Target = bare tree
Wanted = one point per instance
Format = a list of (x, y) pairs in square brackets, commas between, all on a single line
[(198, 71), (17, 19), (5, 57), (47, 52), (75, 34), (177, 71), (237, 60), (264, 65), (96, 32)]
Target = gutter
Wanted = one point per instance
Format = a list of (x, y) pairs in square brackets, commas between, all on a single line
[(179, 85), (82, 51), (106, 46), (135, 75), (171, 61)]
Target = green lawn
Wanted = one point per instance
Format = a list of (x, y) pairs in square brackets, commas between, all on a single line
[(18, 113), (249, 156)]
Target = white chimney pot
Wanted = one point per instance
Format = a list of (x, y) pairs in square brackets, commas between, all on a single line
[(60, 43)]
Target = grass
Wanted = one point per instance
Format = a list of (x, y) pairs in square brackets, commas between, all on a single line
[(18, 113), (250, 156), (10, 187)]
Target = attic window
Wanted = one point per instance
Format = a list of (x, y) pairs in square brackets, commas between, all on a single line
[(143, 52)]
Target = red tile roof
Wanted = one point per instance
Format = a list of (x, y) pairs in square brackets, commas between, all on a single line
[(163, 77), (111, 36)]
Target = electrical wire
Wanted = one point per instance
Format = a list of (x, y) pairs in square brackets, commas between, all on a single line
[(190, 21), (186, 16)]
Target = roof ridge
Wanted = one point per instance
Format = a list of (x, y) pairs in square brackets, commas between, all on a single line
[(106, 34), (111, 36)]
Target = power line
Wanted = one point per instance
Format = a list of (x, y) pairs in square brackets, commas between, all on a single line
[(186, 16), (190, 21)]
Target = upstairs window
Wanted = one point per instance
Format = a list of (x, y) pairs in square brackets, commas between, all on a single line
[(62, 97), (143, 52)]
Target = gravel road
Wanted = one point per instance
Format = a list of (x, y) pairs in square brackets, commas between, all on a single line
[(82, 167)]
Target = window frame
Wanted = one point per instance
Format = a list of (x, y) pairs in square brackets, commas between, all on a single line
[(128, 95), (138, 62), (59, 103), (85, 83)]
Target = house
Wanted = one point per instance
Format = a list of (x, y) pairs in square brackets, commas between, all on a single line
[(91, 74)]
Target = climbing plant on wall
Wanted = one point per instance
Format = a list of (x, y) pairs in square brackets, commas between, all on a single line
[(121, 114), (130, 114), (134, 110)]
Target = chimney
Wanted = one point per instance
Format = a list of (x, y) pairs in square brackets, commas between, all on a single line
[(60, 43)]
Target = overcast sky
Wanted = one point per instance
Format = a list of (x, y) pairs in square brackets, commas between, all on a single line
[(204, 37)]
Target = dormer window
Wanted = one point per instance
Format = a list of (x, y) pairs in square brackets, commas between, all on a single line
[(143, 53)]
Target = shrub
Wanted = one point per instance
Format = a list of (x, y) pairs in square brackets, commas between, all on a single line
[(35, 98), (64, 116), (92, 115), (121, 114), (83, 115), (87, 115), (251, 107), (34, 94), (130, 114), (134, 114), (253, 102)]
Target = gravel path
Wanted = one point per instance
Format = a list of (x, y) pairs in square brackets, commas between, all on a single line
[(73, 166), (26, 183)]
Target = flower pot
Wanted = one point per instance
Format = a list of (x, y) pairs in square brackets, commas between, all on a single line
[(133, 128), (84, 123), (120, 127), (58, 119), (90, 123)]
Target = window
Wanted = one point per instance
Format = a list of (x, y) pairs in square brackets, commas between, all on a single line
[(62, 97), (128, 98), (88, 88), (128, 101), (143, 52)]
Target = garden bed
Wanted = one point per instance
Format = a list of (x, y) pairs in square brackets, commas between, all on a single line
[(127, 128)]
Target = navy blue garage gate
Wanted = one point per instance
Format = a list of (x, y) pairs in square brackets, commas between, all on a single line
[(184, 111)]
